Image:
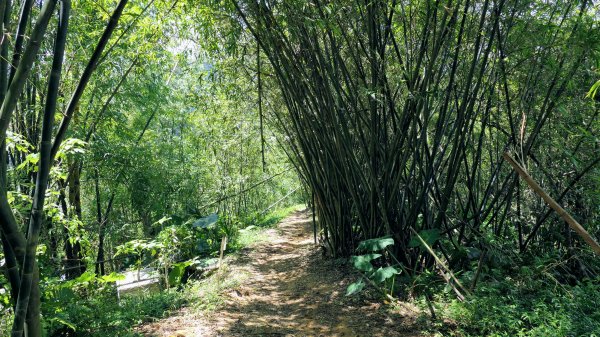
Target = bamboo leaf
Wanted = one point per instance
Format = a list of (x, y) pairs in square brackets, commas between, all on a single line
[(593, 90)]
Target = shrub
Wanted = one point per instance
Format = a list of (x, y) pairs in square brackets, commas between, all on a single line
[(528, 305)]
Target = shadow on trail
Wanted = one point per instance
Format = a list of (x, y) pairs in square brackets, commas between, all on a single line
[(293, 291)]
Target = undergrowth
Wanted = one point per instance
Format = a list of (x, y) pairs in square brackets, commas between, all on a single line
[(273, 218), (206, 294), (100, 316), (526, 304), (520, 295), (95, 311), (255, 231), (535, 310)]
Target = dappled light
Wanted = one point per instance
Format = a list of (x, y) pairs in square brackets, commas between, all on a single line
[(292, 291), (179, 168)]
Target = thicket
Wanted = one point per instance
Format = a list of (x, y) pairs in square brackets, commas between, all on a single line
[(394, 114), (121, 127), (398, 116)]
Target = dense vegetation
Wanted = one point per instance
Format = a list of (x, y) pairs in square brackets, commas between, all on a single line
[(125, 122), (159, 135)]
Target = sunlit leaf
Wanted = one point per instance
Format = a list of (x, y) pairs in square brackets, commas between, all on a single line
[(363, 262), (374, 245), (112, 277), (355, 287), (382, 274)]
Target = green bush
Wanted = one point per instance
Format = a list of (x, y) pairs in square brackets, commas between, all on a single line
[(88, 305), (103, 315), (528, 305)]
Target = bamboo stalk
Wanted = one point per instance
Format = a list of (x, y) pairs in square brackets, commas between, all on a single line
[(378, 153), (28, 290), (87, 74), (553, 204), (450, 275)]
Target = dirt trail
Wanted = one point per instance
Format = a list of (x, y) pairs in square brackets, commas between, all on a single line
[(290, 291)]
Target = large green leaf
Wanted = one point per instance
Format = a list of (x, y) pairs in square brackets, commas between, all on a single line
[(430, 236), (206, 222), (63, 321), (363, 262), (355, 287), (112, 277), (374, 245), (85, 277), (382, 274), (177, 272)]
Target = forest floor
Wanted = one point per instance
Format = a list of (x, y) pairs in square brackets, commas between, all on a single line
[(286, 288)]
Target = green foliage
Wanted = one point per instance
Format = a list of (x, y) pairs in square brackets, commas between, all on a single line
[(165, 133), (382, 277), (29, 164), (178, 244), (94, 310), (417, 143), (15, 141), (382, 274), (363, 262), (430, 236), (139, 248), (529, 303), (355, 288), (374, 245), (102, 315), (206, 222), (71, 147), (56, 293), (5, 306), (177, 271), (593, 90)]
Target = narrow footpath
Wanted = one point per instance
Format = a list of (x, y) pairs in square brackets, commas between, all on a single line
[(290, 290)]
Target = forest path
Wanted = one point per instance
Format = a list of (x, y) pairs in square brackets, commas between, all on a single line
[(290, 290)]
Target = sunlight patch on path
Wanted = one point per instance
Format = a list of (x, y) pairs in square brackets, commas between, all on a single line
[(291, 291)]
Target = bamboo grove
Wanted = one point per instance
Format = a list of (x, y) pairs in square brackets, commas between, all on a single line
[(124, 122), (399, 112), (20, 251)]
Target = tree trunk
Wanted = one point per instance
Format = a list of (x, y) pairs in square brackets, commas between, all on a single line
[(74, 184), (28, 300)]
